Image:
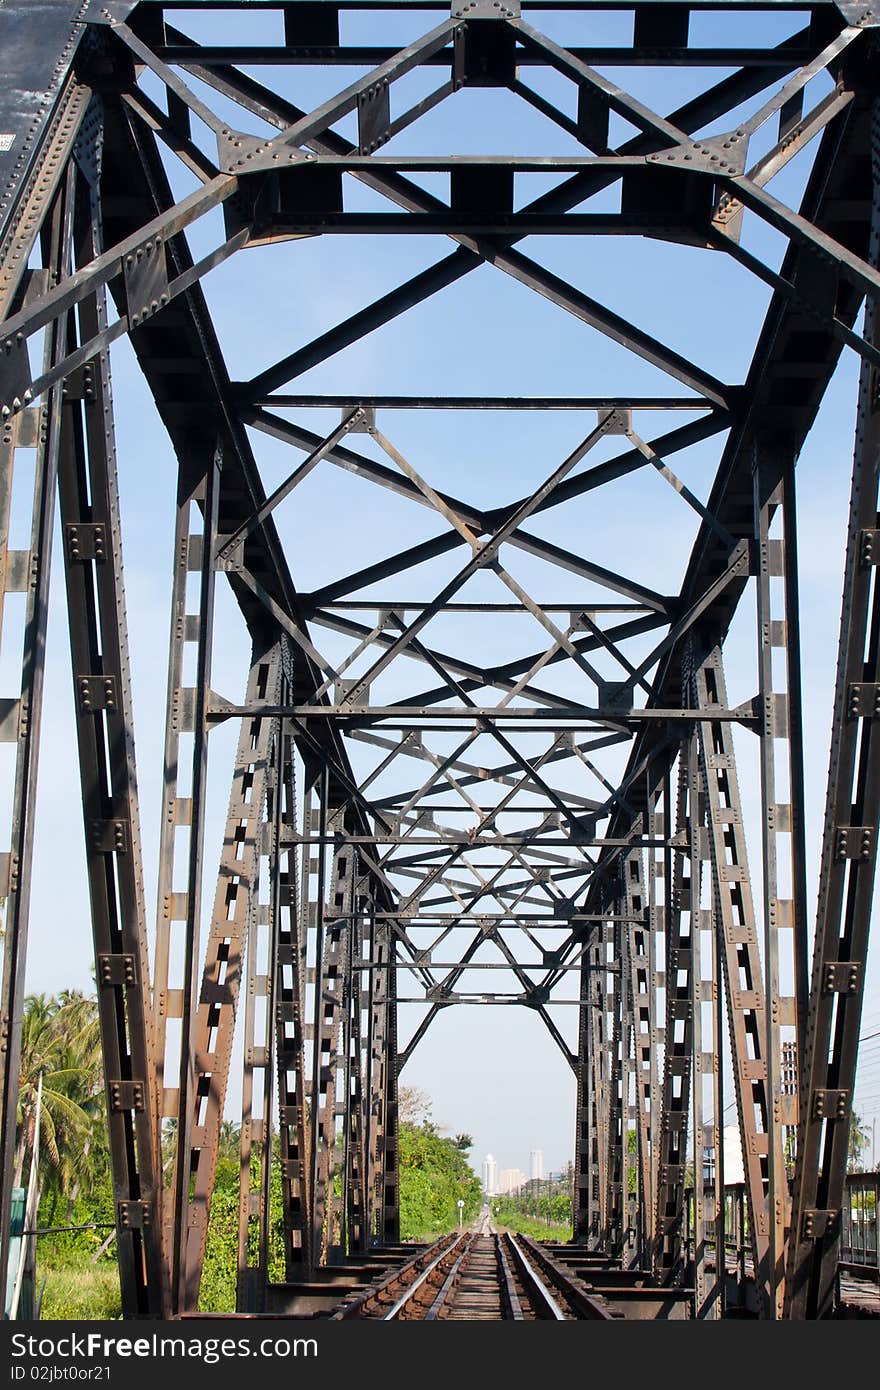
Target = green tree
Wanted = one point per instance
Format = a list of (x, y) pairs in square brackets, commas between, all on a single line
[(229, 1142), (434, 1175), (859, 1139), (61, 1043)]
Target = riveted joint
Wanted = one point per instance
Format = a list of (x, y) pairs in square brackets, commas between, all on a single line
[(854, 842), (842, 977), (132, 1216), (86, 541), (95, 693), (116, 969)]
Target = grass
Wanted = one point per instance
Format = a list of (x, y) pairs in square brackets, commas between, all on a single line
[(80, 1292), (426, 1235), (531, 1226)]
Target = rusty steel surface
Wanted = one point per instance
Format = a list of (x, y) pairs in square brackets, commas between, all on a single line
[(492, 761)]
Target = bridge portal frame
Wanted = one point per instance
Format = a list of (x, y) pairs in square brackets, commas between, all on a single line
[(87, 209)]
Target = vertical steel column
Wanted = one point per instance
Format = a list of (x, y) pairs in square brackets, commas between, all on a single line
[(335, 983), (741, 961), (713, 1066), (641, 1013), (615, 979), (89, 505), (376, 986), (289, 994), (383, 1095), (257, 1059), (848, 863), (391, 1156), (708, 1284), (232, 920), (599, 1091), (355, 1160), (175, 988), (677, 1046), (312, 918), (267, 961), (584, 1106), (695, 835), (29, 572), (316, 870), (627, 1044), (658, 793), (785, 889)]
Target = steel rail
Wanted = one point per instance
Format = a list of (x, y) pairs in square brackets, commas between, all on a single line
[(422, 1279), (583, 1303), (448, 1285), (508, 1288), (537, 1287), (353, 1308)]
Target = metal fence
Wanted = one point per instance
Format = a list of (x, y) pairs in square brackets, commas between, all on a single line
[(858, 1249), (858, 1233)]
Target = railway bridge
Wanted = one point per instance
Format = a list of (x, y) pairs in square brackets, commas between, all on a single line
[(521, 721)]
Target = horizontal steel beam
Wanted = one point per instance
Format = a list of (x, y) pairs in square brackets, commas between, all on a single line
[(367, 402), (552, 717), (362, 55)]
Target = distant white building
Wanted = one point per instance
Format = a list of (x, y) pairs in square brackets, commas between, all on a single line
[(490, 1176), (536, 1164), (733, 1155), (510, 1180)]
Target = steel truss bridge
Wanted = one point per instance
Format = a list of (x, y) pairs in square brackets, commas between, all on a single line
[(403, 811)]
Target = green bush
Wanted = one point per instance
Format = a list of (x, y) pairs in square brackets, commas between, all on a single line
[(219, 1271), (434, 1174)]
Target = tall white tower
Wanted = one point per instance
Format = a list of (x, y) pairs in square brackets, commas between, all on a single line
[(536, 1164), (490, 1176)]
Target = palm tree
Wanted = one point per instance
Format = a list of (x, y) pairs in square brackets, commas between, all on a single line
[(229, 1142), (859, 1139), (61, 1041)]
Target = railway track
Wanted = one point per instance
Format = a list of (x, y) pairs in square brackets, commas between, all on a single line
[(478, 1275)]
